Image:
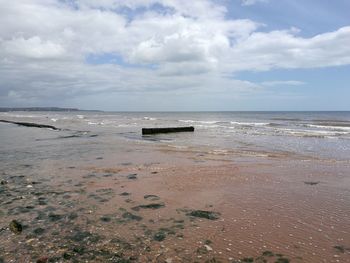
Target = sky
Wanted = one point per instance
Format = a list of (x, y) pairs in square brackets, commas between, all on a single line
[(175, 55)]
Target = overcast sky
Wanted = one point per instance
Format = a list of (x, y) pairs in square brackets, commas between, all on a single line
[(176, 54)]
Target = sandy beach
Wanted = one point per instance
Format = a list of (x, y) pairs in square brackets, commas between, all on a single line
[(137, 202)]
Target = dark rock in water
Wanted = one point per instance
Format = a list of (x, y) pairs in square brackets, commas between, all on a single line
[(3, 182), (151, 197), (39, 231), (79, 250), (67, 256), (125, 194), (72, 216), (55, 217), (204, 214), (42, 260), (341, 249), (131, 216), (132, 176), (16, 227), (268, 253), (148, 206), (105, 219), (159, 236), (311, 183), (42, 201)]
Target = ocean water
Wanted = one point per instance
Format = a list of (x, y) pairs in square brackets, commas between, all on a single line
[(305, 135)]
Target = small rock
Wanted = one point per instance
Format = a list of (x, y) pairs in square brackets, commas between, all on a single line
[(42, 260), (169, 260), (204, 214), (16, 227), (132, 176), (159, 236), (208, 248)]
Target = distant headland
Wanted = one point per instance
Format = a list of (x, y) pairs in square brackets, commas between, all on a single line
[(7, 109)]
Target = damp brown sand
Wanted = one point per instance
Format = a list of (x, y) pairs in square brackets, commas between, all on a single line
[(136, 206)]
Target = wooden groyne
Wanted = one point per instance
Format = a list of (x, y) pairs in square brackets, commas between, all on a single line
[(30, 124), (148, 131)]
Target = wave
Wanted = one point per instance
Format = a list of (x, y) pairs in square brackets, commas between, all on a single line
[(149, 118), (250, 123), (330, 127), (286, 119), (311, 133), (202, 122)]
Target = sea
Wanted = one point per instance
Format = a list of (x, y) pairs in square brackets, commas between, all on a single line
[(303, 135)]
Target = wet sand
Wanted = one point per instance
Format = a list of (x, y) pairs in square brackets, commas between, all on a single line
[(159, 204)]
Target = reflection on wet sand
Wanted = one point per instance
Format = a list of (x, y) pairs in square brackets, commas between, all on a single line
[(71, 197), (211, 211)]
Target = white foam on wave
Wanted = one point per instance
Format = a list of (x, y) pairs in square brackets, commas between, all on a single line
[(311, 133), (93, 123), (250, 123), (202, 122), (328, 127), (149, 118)]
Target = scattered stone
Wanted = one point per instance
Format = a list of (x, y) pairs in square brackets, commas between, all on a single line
[(39, 231), (282, 260), (208, 248), (148, 206), (268, 253), (213, 260), (3, 182), (204, 214), (340, 249), (247, 259), (67, 256), (151, 197), (55, 217), (159, 236), (208, 242), (42, 260), (79, 250), (105, 219), (72, 216), (131, 216), (311, 183), (16, 227), (125, 194), (132, 176)]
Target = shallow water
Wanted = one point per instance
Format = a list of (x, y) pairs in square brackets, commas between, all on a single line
[(324, 135)]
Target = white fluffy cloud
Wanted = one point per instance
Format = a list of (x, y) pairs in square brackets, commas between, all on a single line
[(162, 44)]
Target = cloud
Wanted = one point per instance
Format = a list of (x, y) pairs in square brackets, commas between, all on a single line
[(168, 45), (281, 83), (252, 2)]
